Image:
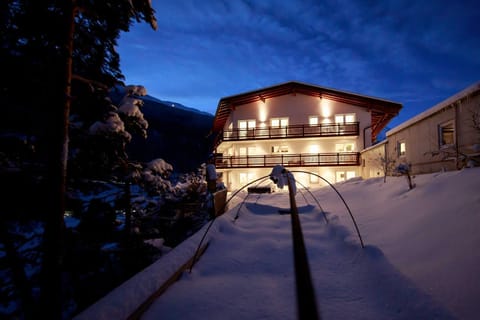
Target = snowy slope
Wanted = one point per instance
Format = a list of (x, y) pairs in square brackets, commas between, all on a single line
[(420, 259)]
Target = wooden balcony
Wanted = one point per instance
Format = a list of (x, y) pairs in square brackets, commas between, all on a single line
[(289, 160), (292, 131)]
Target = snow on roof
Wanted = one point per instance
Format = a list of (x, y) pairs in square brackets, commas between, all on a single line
[(438, 107)]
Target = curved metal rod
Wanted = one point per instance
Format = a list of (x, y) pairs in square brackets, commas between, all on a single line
[(214, 218), (303, 195), (238, 211), (318, 203), (240, 207), (338, 193)]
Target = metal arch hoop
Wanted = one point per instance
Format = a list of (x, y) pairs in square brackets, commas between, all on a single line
[(343, 200), (264, 178)]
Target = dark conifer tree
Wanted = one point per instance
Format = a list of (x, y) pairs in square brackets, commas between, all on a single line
[(54, 50)]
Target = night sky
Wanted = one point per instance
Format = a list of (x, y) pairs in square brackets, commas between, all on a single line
[(417, 53)]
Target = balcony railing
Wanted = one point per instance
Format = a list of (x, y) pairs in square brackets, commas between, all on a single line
[(289, 160), (292, 131)]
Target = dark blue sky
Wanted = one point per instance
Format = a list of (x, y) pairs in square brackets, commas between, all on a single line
[(417, 53)]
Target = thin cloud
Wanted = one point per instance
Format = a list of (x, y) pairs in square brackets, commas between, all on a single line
[(410, 50)]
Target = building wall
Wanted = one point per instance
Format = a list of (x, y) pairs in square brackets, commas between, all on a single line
[(424, 151), (297, 108), (305, 177), (373, 161)]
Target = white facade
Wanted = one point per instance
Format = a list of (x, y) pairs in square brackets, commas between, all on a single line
[(304, 131)]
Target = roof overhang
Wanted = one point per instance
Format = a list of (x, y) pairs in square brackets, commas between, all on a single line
[(382, 111)]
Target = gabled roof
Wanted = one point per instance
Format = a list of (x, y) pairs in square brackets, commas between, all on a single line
[(382, 111), (470, 90)]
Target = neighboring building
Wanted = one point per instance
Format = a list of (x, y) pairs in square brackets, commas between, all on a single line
[(444, 137), (300, 126)]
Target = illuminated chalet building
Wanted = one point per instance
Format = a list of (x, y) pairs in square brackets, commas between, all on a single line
[(301, 126)]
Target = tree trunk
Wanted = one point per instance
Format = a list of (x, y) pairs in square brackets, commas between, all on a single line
[(51, 291)]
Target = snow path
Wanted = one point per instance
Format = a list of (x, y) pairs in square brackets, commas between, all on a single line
[(421, 256), (252, 274)]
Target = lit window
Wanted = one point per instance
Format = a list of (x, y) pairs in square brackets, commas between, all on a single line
[(279, 122), (339, 176), (344, 118), (344, 175), (243, 177), (350, 174), (401, 148), (344, 147), (279, 149), (245, 126), (350, 118), (313, 120), (446, 134), (246, 177), (314, 179)]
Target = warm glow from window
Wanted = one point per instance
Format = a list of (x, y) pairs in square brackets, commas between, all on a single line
[(343, 118), (313, 120), (246, 177), (313, 148), (279, 122), (344, 147), (349, 118), (278, 149), (402, 147)]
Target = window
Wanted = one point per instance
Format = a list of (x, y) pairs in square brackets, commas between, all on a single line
[(245, 126), (401, 148), (344, 147), (279, 149), (279, 122), (313, 120), (246, 177), (344, 118), (344, 175), (446, 134), (339, 176), (313, 179)]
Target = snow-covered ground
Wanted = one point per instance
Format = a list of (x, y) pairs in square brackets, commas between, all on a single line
[(421, 258)]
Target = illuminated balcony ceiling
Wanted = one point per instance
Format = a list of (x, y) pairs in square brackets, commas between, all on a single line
[(382, 111)]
